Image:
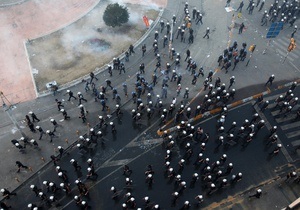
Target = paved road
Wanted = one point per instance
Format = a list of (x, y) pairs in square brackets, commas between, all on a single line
[(249, 81), (256, 165)]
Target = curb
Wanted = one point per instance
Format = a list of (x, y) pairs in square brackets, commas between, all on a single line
[(232, 105), (103, 68), (77, 81)]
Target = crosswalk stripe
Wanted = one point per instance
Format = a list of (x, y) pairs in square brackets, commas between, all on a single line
[(145, 142), (116, 163), (291, 125), (283, 54), (285, 119), (293, 134), (284, 45), (275, 113)]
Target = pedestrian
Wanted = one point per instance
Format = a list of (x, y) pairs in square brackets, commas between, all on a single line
[(276, 150), (270, 80), (237, 177), (108, 84), (199, 199), (294, 31), (261, 5), (54, 89), (257, 3), (51, 135), (251, 9), (239, 9), (34, 143), (65, 114), (257, 194), (228, 3), (265, 20), (164, 92), (27, 119), (71, 95), (75, 164), (131, 49), (127, 56), (34, 117), (92, 75), (272, 140), (175, 196), (54, 123), (259, 100), (126, 170), (81, 98), (242, 26), (291, 175), (59, 104), (20, 165), (273, 130), (207, 33), (264, 106), (6, 193), (186, 93), (144, 49), (199, 17), (91, 173), (4, 206), (31, 127), (188, 54)]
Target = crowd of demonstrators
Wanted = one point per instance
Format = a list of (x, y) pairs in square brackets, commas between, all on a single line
[(150, 104), (285, 11), (285, 103), (215, 175), (231, 56)]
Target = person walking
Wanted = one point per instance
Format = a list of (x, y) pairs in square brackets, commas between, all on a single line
[(207, 33), (20, 165), (231, 81), (188, 54), (239, 9), (294, 31), (257, 194), (275, 150), (261, 5), (144, 49), (34, 117), (65, 114), (92, 75), (71, 95), (81, 98), (270, 80), (242, 26), (6, 193), (228, 3), (51, 135), (42, 132), (59, 104)]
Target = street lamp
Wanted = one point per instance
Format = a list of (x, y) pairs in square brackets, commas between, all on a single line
[(7, 110)]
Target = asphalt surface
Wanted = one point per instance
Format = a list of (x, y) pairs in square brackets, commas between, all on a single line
[(138, 149), (256, 167)]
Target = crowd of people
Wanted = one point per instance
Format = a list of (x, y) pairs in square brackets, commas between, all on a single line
[(148, 104)]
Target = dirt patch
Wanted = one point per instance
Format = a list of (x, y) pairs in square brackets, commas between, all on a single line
[(81, 47)]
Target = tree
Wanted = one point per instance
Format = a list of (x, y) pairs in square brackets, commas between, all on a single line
[(115, 15)]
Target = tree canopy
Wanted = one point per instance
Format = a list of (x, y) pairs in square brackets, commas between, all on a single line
[(115, 15)]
